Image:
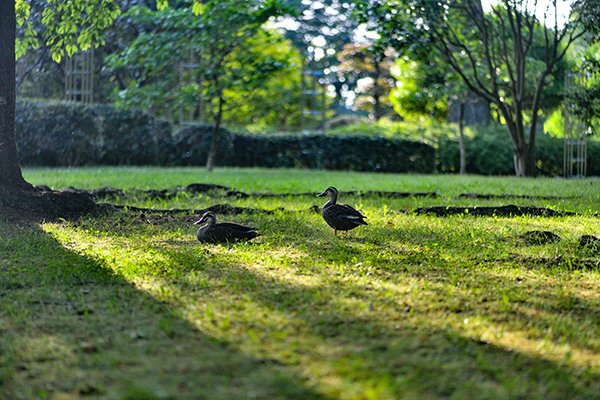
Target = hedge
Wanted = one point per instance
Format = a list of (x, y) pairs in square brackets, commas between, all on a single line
[(69, 134), (489, 153), (307, 151)]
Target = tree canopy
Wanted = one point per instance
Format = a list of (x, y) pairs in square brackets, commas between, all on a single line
[(497, 54)]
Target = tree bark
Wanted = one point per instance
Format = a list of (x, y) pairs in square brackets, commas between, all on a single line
[(376, 88), (11, 177), (18, 198)]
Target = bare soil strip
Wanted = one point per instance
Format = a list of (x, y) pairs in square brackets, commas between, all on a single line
[(500, 211)]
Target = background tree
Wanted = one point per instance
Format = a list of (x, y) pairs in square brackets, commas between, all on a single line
[(491, 52), (425, 89), (587, 99), (152, 80), (71, 26), (227, 26), (328, 24), (39, 76), (370, 62)]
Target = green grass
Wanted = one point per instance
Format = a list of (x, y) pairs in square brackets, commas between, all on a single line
[(408, 307), (576, 195)]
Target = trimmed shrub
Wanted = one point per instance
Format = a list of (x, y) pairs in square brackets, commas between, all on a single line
[(69, 134), (357, 153), (308, 151), (192, 143), (132, 138), (56, 134), (593, 157), (489, 152)]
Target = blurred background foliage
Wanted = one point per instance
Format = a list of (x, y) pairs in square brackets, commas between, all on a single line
[(396, 88)]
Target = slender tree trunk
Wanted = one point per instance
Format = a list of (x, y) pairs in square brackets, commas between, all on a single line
[(530, 158), (520, 160), (212, 153), (11, 177), (18, 197), (461, 139), (531, 167), (376, 89)]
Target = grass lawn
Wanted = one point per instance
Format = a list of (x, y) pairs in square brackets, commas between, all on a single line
[(131, 306)]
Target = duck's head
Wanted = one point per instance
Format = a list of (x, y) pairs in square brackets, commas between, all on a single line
[(207, 217), (331, 191)]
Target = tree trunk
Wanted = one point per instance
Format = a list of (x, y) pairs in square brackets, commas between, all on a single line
[(519, 162), (376, 89), (461, 139), (523, 151), (11, 177), (212, 153), (18, 198), (530, 159)]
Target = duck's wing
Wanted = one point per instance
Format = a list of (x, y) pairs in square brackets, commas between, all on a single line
[(341, 214), (231, 232), (352, 213), (233, 227)]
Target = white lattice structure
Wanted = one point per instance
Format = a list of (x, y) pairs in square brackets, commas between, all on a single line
[(313, 106), (575, 146), (79, 77), (190, 71)]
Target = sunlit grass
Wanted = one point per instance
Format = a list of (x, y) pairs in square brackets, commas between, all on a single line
[(410, 306)]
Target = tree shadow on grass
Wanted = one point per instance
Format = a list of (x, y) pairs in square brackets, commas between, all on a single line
[(383, 349), (344, 336), (392, 354), (70, 326)]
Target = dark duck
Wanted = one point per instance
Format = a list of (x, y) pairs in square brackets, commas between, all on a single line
[(341, 217), (223, 232)]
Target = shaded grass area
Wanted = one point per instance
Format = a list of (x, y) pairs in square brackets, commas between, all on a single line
[(74, 327), (410, 306)]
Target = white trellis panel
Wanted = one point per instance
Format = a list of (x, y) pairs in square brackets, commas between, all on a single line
[(575, 146), (79, 77)]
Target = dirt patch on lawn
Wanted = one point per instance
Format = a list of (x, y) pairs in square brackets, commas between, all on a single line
[(227, 192), (491, 196), (223, 209), (216, 190), (499, 211)]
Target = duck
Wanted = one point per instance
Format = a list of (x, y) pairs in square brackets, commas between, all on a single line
[(341, 217), (223, 232)]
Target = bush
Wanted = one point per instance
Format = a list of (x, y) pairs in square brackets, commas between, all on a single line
[(69, 134), (306, 151), (357, 153), (593, 157), (56, 134), (489, 152), (132, 138), (192, 144)]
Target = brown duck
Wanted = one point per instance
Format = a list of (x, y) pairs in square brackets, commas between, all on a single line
[(341, 217), (223, 232)]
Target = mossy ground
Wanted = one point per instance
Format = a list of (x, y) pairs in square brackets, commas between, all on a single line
[(131, 306)]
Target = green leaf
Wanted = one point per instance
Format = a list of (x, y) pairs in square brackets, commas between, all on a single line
[(162, 4), (197, 7)]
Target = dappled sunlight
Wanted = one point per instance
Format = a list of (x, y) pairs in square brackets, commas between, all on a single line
[(405, 299), (74, 330)]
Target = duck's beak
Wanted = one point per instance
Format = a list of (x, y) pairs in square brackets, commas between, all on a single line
[(201, 220), (322, 194)]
